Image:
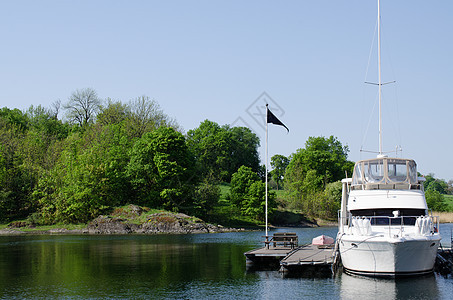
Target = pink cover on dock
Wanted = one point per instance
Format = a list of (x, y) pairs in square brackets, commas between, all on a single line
[(322, 240)]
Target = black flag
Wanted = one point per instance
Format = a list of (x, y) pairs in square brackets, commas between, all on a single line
[(271, 118)]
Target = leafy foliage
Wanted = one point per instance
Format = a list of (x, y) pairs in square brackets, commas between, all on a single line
[(221, 150), (310, 170), (248, 194), (90, 177), (62, 172), (279, 163), (161, 170), (435, 200), (436, 184), (17, 172), (207, 195)]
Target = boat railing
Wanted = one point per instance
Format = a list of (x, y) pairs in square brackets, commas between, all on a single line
[(396, 226), (386, 186)]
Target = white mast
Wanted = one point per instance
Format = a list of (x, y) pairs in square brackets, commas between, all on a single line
[(267, 125), (380, 82)]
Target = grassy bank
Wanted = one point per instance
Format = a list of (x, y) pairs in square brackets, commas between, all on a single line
[(31, 228), (228, 215), (444, 217)]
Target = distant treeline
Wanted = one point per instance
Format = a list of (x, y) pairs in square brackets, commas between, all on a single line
[(102, 154)]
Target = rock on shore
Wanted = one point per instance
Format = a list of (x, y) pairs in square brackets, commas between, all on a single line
[(128, 220), (156, 223)]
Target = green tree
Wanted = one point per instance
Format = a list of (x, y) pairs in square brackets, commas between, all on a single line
[(326, 158), (46, 124), (254, 201), (432, 183), (240, 184), (435, 200), (332, 202), (279, 163), (16, 177), (29, 149), (161, 170), (89, 177), (207, 195), (15, 118), (244, 150), (221, 150), (113, 113), (322, 161), (248, 193)]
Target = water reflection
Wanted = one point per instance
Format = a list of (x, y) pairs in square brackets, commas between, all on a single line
[(177, 267), (355, 287)]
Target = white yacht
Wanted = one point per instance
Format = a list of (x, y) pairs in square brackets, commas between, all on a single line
[(384, 224)]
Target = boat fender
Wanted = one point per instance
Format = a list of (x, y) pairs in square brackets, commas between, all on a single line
[(422, 225), (355, 227), (367, 226), (361, 228), (425, 226), (418, 226)]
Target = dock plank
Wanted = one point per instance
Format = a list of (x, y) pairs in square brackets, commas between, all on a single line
[(270, 251), (309, 255)]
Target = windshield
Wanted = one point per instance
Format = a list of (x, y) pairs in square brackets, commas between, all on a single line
[(385, 170)]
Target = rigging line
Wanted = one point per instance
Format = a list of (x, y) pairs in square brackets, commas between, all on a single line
[(364, 134), (398, 121), (396, 127), (371, 51), (393, 119), (369, 122)]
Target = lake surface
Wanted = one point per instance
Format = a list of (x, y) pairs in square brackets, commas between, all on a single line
[(197, 266)]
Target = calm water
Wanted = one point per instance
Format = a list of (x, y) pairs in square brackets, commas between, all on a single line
[(179, 267)]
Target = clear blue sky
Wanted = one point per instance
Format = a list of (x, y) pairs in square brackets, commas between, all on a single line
[(212, 59)]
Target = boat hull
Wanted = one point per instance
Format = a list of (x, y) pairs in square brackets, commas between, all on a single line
[(388, 257)]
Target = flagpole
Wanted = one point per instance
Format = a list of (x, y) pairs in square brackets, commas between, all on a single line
[(266, 162)]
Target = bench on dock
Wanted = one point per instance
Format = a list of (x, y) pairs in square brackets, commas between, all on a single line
[(284, 239)]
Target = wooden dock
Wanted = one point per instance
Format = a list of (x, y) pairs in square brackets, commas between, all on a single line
[(282, 250), (275, 248), (268, 255), (309, 258), (269, 252)]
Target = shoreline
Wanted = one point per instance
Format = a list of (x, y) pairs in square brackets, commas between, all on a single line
[(133, 219)]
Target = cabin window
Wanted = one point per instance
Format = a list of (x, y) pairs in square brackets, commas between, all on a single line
[(385, 173), (397, 170), (412, 168), (357, 177), (374, 171)]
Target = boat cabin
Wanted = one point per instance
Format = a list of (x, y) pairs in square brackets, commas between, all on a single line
[(384, 173)]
